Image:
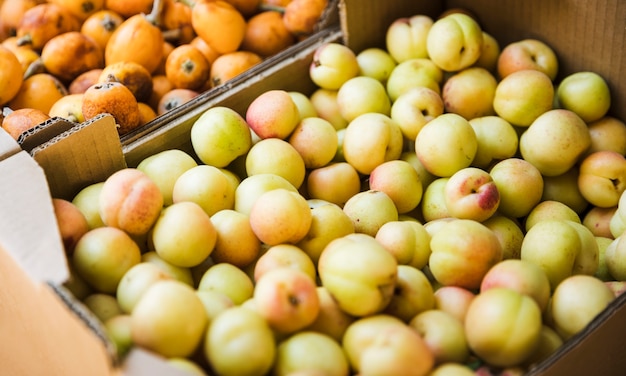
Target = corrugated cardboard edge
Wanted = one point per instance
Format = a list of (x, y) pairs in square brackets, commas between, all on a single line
[(44, 132), (87, 152)]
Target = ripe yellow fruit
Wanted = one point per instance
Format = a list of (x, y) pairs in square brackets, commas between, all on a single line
[(10, 75)]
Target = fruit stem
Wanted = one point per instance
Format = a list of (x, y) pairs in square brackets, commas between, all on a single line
[(154, 17), (108, 23), (24, 40), (111, 78), (172, 35), (33, 68), (71, 118), (270, 7), (187, 66)]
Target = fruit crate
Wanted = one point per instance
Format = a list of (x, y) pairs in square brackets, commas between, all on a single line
[(328, 20), (175, 29), (585, 35)]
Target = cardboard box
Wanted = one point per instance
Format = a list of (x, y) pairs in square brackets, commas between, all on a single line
[(45, 329), (31, 260), (585, 35)]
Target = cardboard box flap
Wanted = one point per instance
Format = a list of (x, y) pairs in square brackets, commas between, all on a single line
[(86, 153), (8, 146), (41, 336), (28, 228)]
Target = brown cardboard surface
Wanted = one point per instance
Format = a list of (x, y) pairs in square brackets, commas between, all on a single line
[(40, 336)]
